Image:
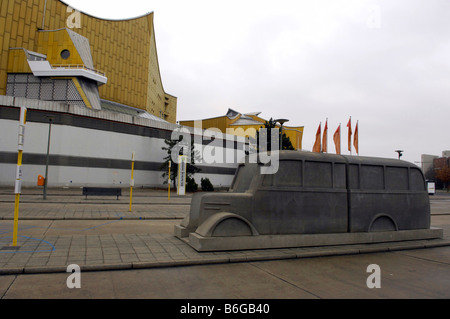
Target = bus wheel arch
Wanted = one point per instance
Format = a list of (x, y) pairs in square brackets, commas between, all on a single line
[(226, 225), (383, 222)]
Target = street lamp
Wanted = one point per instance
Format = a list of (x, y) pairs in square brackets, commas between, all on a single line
[(400, 153), (281, 121), (50, 119)]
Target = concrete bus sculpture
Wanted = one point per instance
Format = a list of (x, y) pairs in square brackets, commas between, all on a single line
[(314, 199)]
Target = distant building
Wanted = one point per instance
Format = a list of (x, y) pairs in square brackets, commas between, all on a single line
[(51, 52), (432, 163), (239, 124), (428, 165), (99, 82)]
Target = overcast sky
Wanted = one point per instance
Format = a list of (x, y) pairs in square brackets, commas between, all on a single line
[(384, 63)]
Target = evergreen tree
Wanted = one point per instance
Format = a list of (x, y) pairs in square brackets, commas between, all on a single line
[(191, 169), (269, 125)]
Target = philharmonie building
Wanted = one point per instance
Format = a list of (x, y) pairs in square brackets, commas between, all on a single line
[(94, 94)]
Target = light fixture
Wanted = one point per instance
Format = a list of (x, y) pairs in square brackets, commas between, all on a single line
[(281, 121)]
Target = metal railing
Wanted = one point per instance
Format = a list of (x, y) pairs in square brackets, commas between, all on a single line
[(77, 67)]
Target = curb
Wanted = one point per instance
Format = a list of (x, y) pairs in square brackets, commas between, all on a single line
[(282, 254), (97, 218)]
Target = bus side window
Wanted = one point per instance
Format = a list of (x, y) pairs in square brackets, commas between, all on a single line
[(353, 176), (397, 178), (417, 180), (318, 174), (372, 177), (289, 174), (339, 176)]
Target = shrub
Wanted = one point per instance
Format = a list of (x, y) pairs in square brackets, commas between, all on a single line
[(206, 185), (191, 185)]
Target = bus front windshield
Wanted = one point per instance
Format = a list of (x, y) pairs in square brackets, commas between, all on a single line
[(244, 177)]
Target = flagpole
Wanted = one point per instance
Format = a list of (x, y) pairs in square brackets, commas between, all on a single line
[(317, 148), (325, 138), (320, 138), (357, 125), (340, 139), (337, 140), (351, 134), (349, 125), (356, 138)]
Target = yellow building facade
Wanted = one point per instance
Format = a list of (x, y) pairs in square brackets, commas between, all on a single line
[(113, 60), (245, 125)]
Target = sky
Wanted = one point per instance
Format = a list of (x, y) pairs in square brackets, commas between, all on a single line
[(385, 64)]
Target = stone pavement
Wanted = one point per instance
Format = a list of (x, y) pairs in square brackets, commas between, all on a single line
[(128, 250)]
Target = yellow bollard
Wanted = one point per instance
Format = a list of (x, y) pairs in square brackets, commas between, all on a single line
[(132, 180), (16, 219), (18, 184)]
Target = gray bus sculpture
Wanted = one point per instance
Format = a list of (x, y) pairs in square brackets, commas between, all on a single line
[(314, 199)]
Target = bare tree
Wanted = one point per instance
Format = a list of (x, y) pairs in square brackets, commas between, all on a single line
[(443, 174)]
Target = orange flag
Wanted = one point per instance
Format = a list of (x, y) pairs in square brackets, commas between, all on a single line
[(349, 125), (325, 138), (337, 139), (317, 146), (356, 139)]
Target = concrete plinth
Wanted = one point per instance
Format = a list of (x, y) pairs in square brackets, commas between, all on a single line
[(204, 244)]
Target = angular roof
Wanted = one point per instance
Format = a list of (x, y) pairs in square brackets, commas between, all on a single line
[(246, 120), (129, 110), (232, 114), (83, 47)]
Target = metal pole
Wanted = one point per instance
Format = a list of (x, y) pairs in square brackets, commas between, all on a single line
[(132, 180), (281, 137), (281, 121), (169, 180), (18, 184), (43, 17), (47, 160)]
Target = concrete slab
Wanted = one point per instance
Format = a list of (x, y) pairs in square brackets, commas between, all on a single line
[(411, 275), (62, 231), (201, 243), (5, 283), (40, 228), (402, 275)]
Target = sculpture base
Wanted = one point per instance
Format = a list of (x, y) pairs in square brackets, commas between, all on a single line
[(208, 244)]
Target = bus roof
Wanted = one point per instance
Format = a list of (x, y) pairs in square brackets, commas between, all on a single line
[(324, 157)]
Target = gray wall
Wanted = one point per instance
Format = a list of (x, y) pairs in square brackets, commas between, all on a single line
[(94, 147)]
